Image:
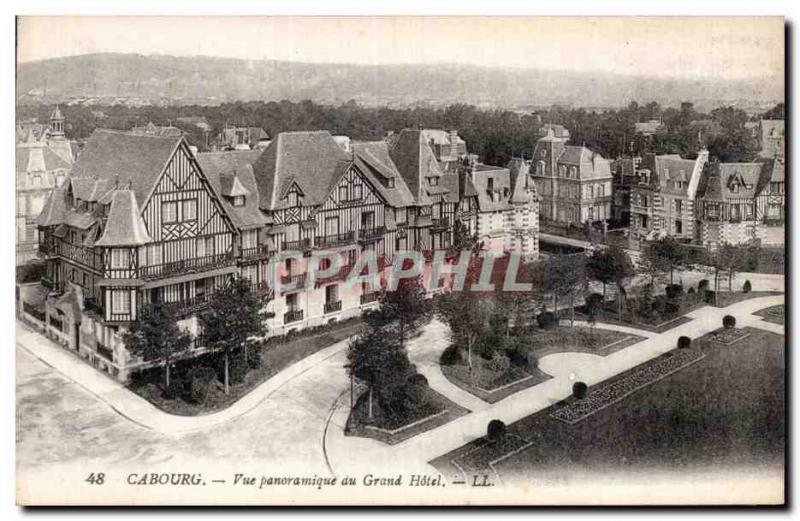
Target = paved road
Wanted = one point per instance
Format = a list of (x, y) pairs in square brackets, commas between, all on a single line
[(65, 430)]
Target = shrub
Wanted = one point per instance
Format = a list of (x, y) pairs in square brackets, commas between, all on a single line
[(579, 390), (175, 389), (451, 356), (417, 380), (691, 291), (728, 322), (499, 363), (517, 356), (684, 342), (416, 384), (674, 291), (237, 368), (546, 320), (747, 288), (495, 431), (200, 380), (703, 285)]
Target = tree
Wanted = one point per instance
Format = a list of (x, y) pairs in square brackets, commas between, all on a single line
[(230, 320), (665, 254), (462, 240), (156, 337), (603, 264), (611, 264), (465, 312), (380, 361), (726, 258), (405, 306)]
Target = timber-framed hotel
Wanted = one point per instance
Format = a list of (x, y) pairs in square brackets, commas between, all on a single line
[(142, 219)]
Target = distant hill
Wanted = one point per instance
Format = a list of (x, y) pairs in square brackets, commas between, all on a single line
[(207, 80)]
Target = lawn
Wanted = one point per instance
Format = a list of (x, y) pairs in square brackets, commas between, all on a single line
[(775, 314), (279, 353), (724, 411), (492, 386), (438, 411)]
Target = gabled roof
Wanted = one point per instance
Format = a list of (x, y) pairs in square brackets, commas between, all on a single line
[(312, 160), (125, 158), (719, 179), (373, 161), (232, 172), (125, 226), (55, 208)]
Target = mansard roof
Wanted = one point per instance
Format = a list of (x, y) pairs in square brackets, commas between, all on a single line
[(311, 160), (125, 226), (231, 174), (126, 159), (498, 199)]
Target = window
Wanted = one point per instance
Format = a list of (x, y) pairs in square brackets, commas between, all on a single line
[(368, 220), (600, 191), (748, 210), (120, 302), (249, 239), (331, 226), (238, 200), (209, 246), (390, 182), (291, 199), (291, 302), (119, 258), (678, 227), (331, 294), (343, 193), (434, 181), (358, 192), (189, 209), (678, 206), (169, 212), (490, 184)]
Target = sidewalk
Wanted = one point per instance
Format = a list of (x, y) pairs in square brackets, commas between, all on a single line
[(140, 411), (590, 368)]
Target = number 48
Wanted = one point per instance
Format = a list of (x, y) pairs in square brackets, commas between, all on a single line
[(96, 479)]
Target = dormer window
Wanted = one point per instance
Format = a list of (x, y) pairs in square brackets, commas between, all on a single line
[(434, 181), (238, 200), (390, 182), (291, 199)]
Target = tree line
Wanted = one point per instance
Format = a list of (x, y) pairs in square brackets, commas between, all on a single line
[(494, 135)]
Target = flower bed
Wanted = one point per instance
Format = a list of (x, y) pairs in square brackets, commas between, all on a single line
[(610, 393), (728, 336), (486, 454)]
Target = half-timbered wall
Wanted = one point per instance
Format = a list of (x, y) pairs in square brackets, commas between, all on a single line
[(184, 197)]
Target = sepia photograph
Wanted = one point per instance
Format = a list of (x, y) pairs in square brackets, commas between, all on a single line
[(400, 260)]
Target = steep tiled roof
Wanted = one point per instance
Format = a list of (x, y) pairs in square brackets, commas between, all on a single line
[(312, 160), (521, 184), (125, 226), (719, 178), (498, 199), (38, 159), (126, 158), (55, 208), (373, 160), (230, 173), (416, 162)]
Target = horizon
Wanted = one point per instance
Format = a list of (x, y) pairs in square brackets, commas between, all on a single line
[(727, 48)]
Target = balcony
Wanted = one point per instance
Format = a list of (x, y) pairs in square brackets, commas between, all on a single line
[(371, 234), (332, 307), (186, 307), (646, 210), (298, 280), (261, 251), (48, 282), (369, 298), (338, 239), (299, 245), (262, 291), (185, 266), (293, 315)]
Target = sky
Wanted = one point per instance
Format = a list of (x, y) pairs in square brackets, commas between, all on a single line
[(718, 47)]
